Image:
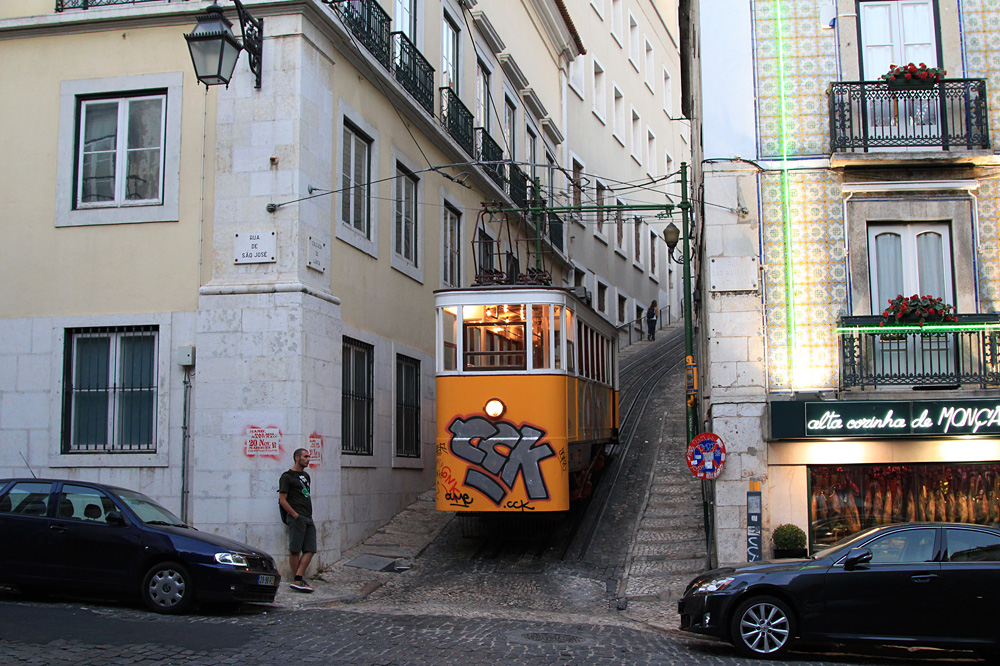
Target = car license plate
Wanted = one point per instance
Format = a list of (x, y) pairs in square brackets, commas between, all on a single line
[(265, 580)]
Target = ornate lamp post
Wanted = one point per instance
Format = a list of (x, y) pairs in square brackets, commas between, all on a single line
[(214, 49)]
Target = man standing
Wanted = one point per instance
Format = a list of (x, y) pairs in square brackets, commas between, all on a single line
[(293, 496)]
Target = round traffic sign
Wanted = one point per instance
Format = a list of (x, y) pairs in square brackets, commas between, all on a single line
[(706, 454)]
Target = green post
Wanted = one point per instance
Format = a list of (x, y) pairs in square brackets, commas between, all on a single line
[(692, 399)]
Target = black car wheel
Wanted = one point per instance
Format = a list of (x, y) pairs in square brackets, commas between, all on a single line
[(762, 627), (168, 588)]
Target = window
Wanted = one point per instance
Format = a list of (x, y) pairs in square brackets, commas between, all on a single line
[(637, 234), (358, 397), (509, 126), (355, 203), (405, 238), (486, 245), (633, 41), (449, 54), (110, 389), (550, 178), (636, 136), (600, 92), (598, 6), (896, 31), (576, 74), (120, 154), (482, 96), (619, 226), (909, 259), (650, 153), (600, 191), (407, 407), (531, 141), (577, 185), (619, 120), (652, 252), (668, 93), (451, 272), (971, 546), (622, 308), (83, 503), (906, 547), (650, 69), (602, 297), (668, 169), (406, 18), (616, 20)]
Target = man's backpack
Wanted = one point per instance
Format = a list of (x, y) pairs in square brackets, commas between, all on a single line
[(284, 514)]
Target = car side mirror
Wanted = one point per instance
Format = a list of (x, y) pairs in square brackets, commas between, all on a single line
[(857, 557), (115, 518)]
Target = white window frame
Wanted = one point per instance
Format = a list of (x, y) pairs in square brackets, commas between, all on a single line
[(484, 94), (618, 130), (599, 89), (601, 195), (451, 244), (650, 57), (617, 21), (668, 93), (636, 136), (577, 73), (510, 114), (650, 152), (411, 267), (167, 210), (633, 41), (573, 162), (407, 9), (638, 242), (598, 6), (620, 235), (449, 69), (345, 231)]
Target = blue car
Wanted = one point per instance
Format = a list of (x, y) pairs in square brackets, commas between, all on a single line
[(81, 537)]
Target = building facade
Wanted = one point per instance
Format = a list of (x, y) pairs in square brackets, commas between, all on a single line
[(206, 279), (830, 190)]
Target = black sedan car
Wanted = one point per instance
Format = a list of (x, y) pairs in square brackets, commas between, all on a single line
[(85, 537), (921, 584)]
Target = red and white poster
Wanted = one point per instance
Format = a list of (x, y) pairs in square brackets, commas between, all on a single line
[(263, 441), (315, 449)]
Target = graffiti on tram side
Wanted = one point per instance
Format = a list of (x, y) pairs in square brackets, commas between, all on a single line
[(481, 442)]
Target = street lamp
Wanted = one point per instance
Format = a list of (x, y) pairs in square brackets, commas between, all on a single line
[(214, 49)]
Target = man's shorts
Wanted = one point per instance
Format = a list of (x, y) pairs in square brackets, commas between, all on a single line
[(302, 535)]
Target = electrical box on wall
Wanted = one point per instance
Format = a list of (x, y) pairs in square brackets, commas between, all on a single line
[(185, 355)]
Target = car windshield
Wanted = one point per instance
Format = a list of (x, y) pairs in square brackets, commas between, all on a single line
[(844, 544), (148, 510)]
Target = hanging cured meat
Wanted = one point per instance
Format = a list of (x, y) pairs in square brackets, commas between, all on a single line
[(851, 513), (940, 510)]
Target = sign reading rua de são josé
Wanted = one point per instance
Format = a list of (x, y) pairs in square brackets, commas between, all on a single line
[(905, 418)]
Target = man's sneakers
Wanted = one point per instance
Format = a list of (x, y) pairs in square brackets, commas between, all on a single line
[(301, 584)]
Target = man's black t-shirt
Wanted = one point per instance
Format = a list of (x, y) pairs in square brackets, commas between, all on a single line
[(296, 486)]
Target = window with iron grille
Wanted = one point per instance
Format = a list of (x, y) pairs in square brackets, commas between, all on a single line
[(358, 397), (109, 390), (407, 407)]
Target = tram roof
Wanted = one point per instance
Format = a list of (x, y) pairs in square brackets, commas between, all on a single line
[(499, 294)]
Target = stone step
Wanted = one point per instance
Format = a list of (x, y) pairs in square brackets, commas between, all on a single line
[(652, 552), (662, 588), (666, 521), (645, 534), (652, 568)]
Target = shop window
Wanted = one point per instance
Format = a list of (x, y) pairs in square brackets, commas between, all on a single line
[(846, 499)]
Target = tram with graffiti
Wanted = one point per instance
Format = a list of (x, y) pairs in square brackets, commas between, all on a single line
[(527, 398)]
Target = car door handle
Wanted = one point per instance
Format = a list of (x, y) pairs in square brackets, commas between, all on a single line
[(923, 578), (57, 528)]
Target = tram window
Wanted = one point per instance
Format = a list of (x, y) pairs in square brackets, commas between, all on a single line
[(570, 342), (556, 335), (449, 328), (541, 357), (494, 338)]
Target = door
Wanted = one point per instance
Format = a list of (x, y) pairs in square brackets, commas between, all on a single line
[(897, 32), (89, 551), (907, 259), (970, 571), (24, 525), (898, 594)]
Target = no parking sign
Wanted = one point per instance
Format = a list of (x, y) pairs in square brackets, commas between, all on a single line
[(706, 454)]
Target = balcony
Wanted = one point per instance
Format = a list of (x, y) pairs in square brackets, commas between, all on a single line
[(457, 120), (490, 152), (951, 115), (412, 70), (556, 231), (369, 23), (517, 186), (62, 5), (966, 353)]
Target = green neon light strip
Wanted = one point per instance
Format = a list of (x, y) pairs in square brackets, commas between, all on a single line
[(786, 203), (914, 328)]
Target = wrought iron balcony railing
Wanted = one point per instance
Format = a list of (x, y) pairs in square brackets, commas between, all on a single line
[(62, 5), (942, 355), (517, 186), (870, 115), (490, 153), (370, 24), (556, 230), (412, 70), (457, 120)]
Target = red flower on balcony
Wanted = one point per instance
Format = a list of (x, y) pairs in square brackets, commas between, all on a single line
[(918, 310), (910, 72)]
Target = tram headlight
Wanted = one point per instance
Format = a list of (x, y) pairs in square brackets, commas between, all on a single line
[(494, 408)]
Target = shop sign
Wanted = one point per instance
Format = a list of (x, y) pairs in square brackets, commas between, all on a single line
[(902, 418), (706, 454)]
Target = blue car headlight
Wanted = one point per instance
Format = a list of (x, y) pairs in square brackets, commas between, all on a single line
[(233, 559), (713, 585)]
